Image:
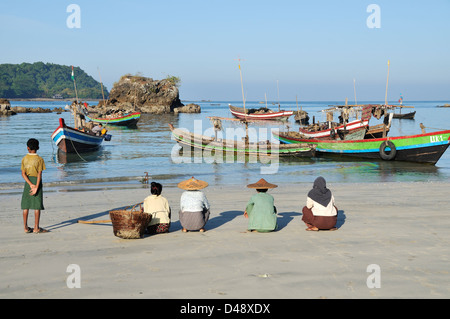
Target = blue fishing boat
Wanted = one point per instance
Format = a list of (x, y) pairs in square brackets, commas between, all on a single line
[(71, 140)]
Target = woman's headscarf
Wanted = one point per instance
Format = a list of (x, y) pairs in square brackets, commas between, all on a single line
[(320, 193)]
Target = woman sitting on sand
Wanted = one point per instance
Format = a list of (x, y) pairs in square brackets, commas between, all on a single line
[(194, 206), (320, 212), (260, 210), (157, 206)]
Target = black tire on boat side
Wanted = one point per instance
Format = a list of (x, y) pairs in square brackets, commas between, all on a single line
[(332, 133), (387, 156)]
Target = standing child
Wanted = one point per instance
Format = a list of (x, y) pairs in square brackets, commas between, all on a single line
[(32, 197)]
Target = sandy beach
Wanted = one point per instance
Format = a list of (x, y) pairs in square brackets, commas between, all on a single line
[(403, 228)]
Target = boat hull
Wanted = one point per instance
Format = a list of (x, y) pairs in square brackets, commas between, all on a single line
[(70, 140), (204, 143), (128, 120), (240, 114), (409, 116), (421, 148), (326, 133)]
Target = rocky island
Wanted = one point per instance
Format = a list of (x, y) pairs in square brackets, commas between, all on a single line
[(138, 93)]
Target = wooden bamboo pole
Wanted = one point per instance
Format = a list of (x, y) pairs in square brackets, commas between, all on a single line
[(101, 84), (80, 221), (387, 81)]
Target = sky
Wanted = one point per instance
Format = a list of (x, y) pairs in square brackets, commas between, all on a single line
[(320, 50)]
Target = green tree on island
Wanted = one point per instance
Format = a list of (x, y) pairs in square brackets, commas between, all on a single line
[(44, 80)]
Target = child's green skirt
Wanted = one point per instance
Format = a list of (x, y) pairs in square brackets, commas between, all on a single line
[(32, 201)]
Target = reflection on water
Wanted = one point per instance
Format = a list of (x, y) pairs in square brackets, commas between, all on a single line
[(61, 157), (353, 170)]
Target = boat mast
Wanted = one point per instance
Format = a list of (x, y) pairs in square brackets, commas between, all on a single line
[(278, 90), (74, 110), (387, 81), (242, 84), (101, 85), (243, 100)]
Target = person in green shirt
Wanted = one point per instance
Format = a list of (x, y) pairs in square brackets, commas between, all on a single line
[(260, 210), (32, 197)]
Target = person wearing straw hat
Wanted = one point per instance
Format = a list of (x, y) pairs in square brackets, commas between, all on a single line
[(194, 206), (320, 211), (260, 209)]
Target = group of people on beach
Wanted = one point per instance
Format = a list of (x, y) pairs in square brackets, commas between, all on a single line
[(319, 213)]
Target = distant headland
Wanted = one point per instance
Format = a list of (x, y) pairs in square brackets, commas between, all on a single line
[(46, 81)]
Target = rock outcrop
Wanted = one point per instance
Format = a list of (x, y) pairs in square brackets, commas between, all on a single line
[(138, 93), (5, 107), (190, 108)]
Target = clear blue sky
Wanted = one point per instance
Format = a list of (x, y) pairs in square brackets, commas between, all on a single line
[(314, 49)]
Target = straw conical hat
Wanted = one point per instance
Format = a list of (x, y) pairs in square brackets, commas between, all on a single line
[(192, 184), (262, 184)]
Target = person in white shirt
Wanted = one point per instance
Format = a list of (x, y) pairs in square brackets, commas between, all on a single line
[(320, 211), (157, 206), (97, 129), (194, 206)]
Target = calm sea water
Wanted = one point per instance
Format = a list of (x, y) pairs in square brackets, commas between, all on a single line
[(123, 161)]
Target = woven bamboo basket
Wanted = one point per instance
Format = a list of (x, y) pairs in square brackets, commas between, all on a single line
[(129, 224)]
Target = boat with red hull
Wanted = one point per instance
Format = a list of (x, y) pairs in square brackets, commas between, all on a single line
[(259, 114)]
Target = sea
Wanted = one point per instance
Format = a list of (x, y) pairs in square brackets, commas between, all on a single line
[(149, 150)]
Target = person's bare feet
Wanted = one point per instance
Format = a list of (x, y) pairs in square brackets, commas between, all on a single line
[(40, 231)]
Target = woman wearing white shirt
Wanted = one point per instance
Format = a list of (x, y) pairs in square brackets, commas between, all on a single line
[(320, 211), (159, 208), (194, 206)]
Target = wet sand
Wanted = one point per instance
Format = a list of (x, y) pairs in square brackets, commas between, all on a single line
[(402, 228)]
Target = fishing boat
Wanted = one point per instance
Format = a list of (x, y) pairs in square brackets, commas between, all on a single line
[(71, 140), (409, 115), (224, 146), (262, 113), (421, 148), (350, 130), (77, 139), (331, 131), (127, 119), (400, 115)]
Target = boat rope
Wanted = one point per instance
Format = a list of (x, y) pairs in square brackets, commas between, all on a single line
[(76, 150), (434, 128)]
